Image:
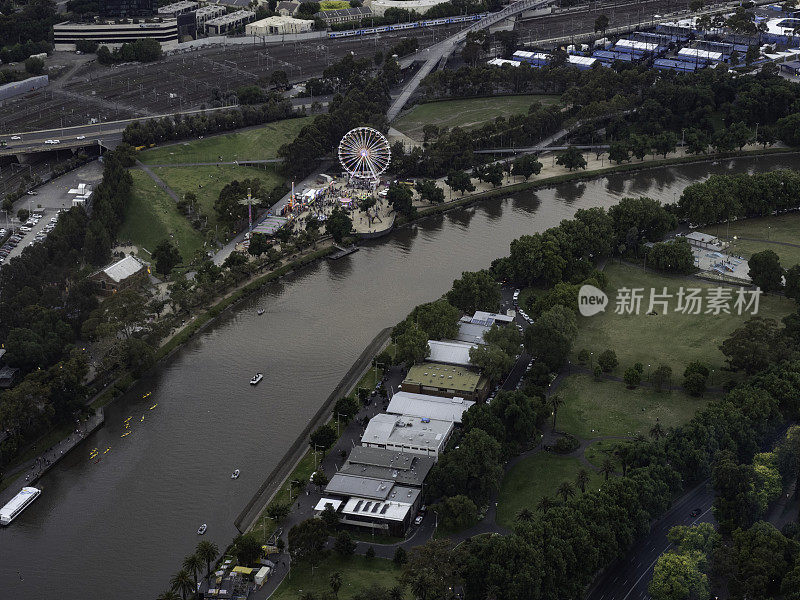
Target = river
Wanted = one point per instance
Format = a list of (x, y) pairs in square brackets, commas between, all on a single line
[(120, 528)]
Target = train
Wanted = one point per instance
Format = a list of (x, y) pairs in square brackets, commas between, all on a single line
[(413, 25)]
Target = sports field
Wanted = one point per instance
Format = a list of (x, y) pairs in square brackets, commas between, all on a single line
[(257, 143), (536, 476), (468, 113), (151, 216), (670, 338), (207, 182), (597, 408), (768, 233)]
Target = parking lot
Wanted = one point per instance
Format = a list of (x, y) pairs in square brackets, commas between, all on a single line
[(48, 201)]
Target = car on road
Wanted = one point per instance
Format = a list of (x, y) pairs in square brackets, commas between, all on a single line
[(81, 137), (15, 137), (696, 512), (418, 520), (24, 229)]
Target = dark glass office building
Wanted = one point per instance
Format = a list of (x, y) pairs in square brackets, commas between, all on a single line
[(128, 8)]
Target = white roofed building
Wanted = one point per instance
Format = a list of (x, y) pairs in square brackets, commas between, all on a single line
[(120, 275), (430, 407), (407, 434), (449, 353)]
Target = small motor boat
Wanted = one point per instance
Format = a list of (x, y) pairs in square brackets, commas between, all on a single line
[(235, 474), (202, 529), (260, 311), (256, 378)]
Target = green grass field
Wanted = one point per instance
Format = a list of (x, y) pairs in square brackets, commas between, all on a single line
[(468, 113), (596, 453), (358, 573), (151, 216), (780, 228), (252, 144), (673, 338), (536, 476), (212, 179), (334, 4), (596, 408)]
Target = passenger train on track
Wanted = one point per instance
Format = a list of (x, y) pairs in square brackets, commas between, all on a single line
[(413, 25)]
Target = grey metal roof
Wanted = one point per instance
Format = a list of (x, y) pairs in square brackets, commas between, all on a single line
[(122, 269), (450, 353), (471, 333), (379, 463), (431, 407), (355, 485)]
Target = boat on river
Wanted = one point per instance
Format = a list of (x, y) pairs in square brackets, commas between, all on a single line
[(260, 311), (18, 503), (202, 529), (256, 378), (235, 474)]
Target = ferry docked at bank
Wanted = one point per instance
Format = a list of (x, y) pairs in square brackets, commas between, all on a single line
[(17, 504)]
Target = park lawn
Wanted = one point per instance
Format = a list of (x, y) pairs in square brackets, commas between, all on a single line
[(534, 477), (672, 338), (257, 143), (358, 574), (597, 452), (467, 113), (777, 228), (334, 4), (151, 216), (212, 179), (597, 408)]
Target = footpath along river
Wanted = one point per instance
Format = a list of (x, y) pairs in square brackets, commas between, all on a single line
[(119, 528)]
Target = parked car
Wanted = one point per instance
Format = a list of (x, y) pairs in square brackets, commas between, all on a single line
[(24, 229), (418, 520), (15, 137)]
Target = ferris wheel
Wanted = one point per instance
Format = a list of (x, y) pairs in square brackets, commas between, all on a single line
[(364, 153)]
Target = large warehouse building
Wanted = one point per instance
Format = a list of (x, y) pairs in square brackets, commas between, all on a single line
[(114, 34)]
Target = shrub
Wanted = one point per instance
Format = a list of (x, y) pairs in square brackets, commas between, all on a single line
[(565, 445), (608, 361)]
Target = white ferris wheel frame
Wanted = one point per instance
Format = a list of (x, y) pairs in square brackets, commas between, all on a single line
[(364, 153)]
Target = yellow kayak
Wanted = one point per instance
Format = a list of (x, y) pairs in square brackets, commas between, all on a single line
[(142, 418), (126, 433), (154, 405), (128, 419), (107, 450)]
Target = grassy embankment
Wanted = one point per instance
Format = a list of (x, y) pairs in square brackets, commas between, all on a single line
[(466, 113), (767, 233)]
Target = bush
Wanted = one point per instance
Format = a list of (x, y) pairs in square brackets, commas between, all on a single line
[(565, 445), (608, 361), (370, 553), (34, 66), (632, 377), (695, 384)]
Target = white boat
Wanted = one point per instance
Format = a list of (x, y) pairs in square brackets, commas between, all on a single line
[(260, 311), (235, 474), (256, 378), (202, 529), (17, 504)]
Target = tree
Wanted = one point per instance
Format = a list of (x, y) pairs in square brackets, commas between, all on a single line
[(344, 544), (400, 556), (34, 66), (335, 581), (661, 377), (181, 582), (679, 576), (601, 23), (657, 431), (608, 360), (566, 490), (259, 244), (491, 361), (166, 257), (632, 377), (432, 570), (457, 512), (401, 197), (607, 468), (278, 511), (673, 256), (754, 345), (193, 565), (696, 140), (792, 288), (695, 384), (526, 165), (320, 480), (412, 345), (307, 540), (247, 549), (23, 214), (429, 191), (207, 552), (475, 290), (544, 504), (766, 271), (572, 158), (370, 553), (549, 339), (664, 143), (279, 79), (460, 182), (766, 135), (338, 224), (581, 479), (429, 132), (323, 437), (555, 401), (169, 594), (619, 152)]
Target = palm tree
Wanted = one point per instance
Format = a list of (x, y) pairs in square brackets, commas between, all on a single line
[(657, 431), (168, 595), (335, 582), (396, 593), (207, 552), (623, 454), (192, 564), (555, 402), (607, 468), (545, 503), (582, 479), (566, 490), (181, 582), (525, 514)]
